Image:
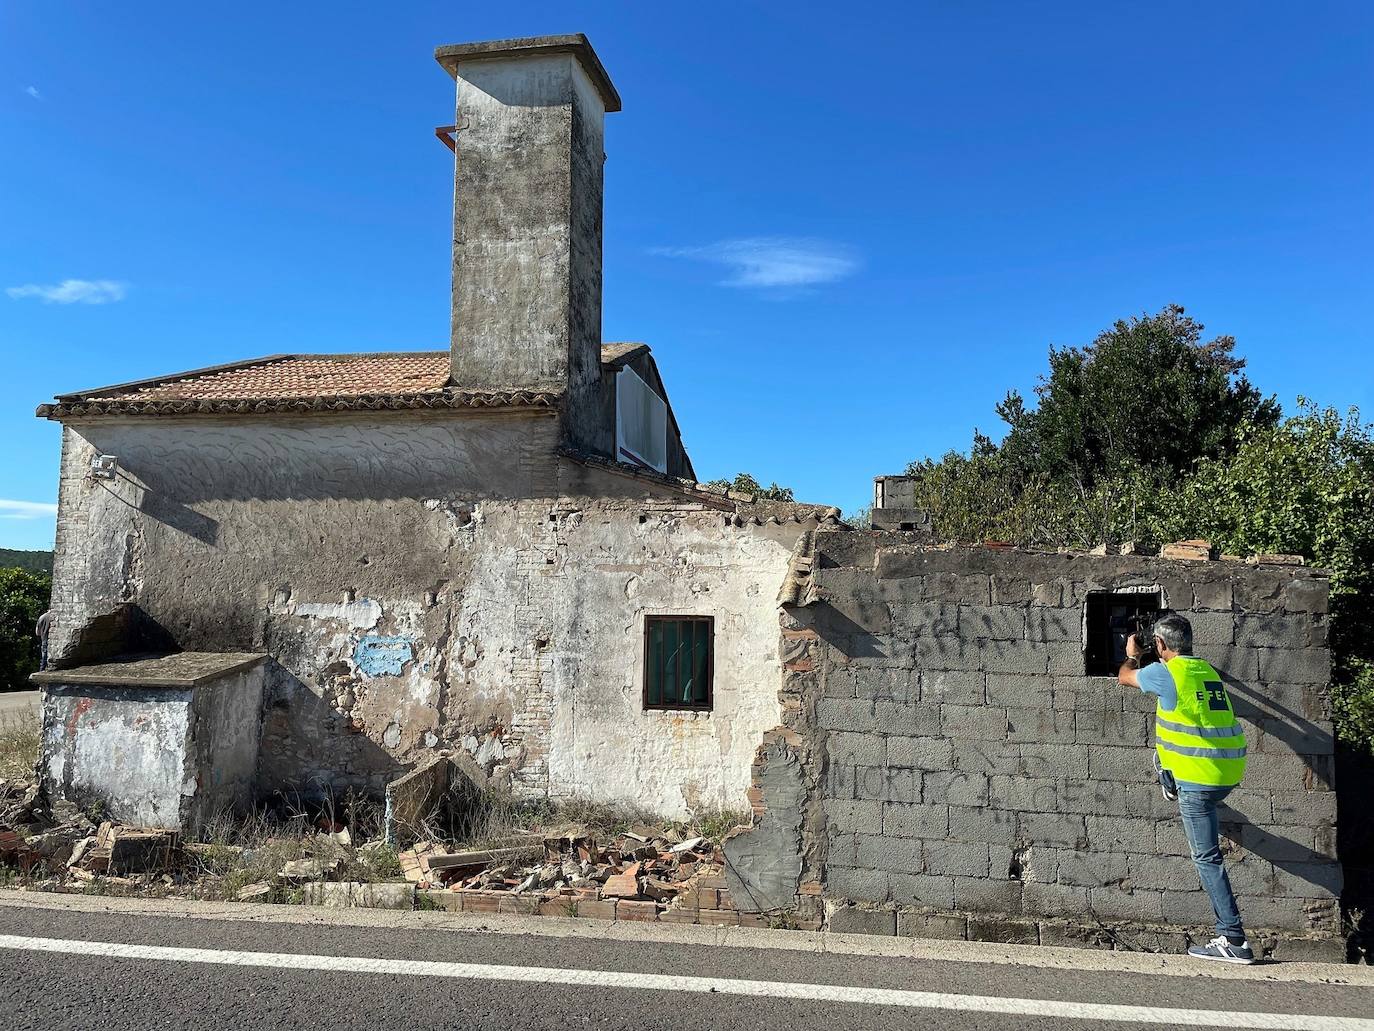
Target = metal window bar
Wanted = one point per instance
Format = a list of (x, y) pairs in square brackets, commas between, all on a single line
[(678, 662)]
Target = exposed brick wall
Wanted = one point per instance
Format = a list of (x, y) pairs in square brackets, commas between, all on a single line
[(969, 767)]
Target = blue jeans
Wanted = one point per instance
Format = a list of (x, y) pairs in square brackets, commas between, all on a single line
[(1198, 807)]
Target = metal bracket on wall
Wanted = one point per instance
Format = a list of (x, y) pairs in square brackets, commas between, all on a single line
[(446, 134)]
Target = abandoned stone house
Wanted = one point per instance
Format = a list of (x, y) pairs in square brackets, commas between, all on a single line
[(342, 564)]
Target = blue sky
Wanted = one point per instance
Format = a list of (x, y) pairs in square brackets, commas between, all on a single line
[(845, 231)]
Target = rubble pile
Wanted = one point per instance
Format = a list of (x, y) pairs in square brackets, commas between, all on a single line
[(64, 847), (644, 873), (33, 832), (51, 838)]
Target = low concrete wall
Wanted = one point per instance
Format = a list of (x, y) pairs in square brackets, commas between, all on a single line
[(150, 748), (967, 776), (123, 749)]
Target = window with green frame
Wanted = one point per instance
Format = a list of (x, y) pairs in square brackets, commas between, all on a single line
[(679, 661)]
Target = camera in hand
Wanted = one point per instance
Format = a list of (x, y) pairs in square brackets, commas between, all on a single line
[(1139, 625)]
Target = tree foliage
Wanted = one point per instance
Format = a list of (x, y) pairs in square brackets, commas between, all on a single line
[(32, 561), (1151, 435), (23, 598), (1304, 487), (1148, 394), (743, 483)]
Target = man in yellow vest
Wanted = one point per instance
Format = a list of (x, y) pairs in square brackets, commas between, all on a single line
[(1200, 758)]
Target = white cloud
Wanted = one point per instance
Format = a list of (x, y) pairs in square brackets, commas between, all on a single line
[(72, 291), (26, 509), (772, 262), (33, 92)]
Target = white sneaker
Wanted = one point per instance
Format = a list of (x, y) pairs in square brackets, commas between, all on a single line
[(1223, 951)]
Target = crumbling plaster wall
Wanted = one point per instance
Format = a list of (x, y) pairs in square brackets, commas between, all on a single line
[(226, 732), (441, 581), (967, 779), (624, 558), (169, 757), (121, 748)]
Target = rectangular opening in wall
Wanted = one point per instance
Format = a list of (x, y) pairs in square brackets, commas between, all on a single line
[(679, 661), (1112, 617)]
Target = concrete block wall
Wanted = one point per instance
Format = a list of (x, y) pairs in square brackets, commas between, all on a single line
[(971, 778)]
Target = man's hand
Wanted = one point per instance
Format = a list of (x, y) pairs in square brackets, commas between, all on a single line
[(1126, 674)]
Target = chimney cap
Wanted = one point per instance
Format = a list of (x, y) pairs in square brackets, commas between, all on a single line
[(573, 43)]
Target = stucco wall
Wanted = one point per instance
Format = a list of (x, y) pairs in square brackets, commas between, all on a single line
[(124, 749), (430, 582), (154, 756), (228, 726), (618, 563), (527, 230)]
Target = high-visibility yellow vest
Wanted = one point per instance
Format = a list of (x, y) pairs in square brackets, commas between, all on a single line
[(1199, 739)]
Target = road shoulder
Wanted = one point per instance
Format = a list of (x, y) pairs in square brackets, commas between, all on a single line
[(1039, 956)]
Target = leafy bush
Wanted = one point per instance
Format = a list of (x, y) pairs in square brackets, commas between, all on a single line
[(1098, 462), (743, 483), (1304, 487), (23, 598)]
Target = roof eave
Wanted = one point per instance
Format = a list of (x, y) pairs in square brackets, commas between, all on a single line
[(545, 400)]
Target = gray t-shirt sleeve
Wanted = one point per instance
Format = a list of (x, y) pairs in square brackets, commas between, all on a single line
[(1156, 679)]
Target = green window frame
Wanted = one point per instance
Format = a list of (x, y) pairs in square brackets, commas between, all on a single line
[(679, 662)]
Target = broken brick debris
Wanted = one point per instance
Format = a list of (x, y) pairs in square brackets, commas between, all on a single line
[(643, 874), (622, 885), (311, 868), (1192, 550)]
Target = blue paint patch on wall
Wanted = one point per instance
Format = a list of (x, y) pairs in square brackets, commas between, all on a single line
[(382, 656)]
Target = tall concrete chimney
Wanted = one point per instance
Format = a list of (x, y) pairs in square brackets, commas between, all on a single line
[(527, 199)]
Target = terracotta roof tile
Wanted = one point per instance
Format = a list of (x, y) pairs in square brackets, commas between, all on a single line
[(304, 375), (377, 380)]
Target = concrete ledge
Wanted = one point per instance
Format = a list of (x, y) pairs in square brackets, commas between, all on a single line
[(1037, 932), (1042, 956), (183, 669), (573, 43)]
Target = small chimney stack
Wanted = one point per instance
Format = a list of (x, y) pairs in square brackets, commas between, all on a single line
[(527, 200)]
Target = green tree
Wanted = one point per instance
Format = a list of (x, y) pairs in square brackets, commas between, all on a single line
[(1151, 435), (1117, 421), (743, 483), (23, 598), (1147, 394), (33, 561)]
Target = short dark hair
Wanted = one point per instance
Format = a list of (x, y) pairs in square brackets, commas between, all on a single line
[(1175, 631)]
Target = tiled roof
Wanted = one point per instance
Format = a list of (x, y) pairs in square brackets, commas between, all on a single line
[(302, 375), (308, 382)]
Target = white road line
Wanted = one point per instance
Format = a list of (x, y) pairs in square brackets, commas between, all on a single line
[(670, 983)]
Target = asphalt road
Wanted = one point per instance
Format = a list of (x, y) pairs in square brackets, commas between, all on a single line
[(18, 703), (64, 990)]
